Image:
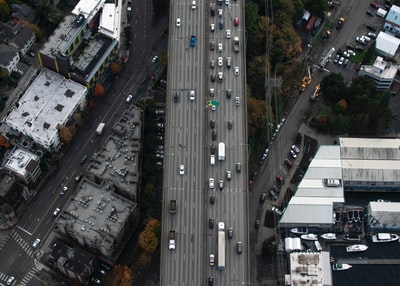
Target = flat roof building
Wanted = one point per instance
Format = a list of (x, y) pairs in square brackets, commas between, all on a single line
[(24, 165), (383, 215), (49, 102), (381, 72)]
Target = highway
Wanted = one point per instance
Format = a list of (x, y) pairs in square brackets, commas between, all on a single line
[(188, 140)]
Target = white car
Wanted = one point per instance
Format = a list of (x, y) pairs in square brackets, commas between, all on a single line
[(351, 52), (212, 259), (220, 76), (236, 71), (56, 212), (237, 101), (191, 95), (220, 61), (212, 27), (220, 47), (211, 183), (182, 170), (220, 13), (129, 98), (178, 22), (36, 243), (340, 62), (228, 34), (295, 149), (213, 108), (193, 5), (372, 35), (154, 59), (226, 2), (11, 281)]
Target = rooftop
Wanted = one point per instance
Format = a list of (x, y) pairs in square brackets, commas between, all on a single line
[(18, 161)]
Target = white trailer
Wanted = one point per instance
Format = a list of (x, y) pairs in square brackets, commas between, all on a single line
[(221, 246), (221, 151)]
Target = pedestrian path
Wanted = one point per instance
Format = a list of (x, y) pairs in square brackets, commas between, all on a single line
[(25, 245), (4, 241), (28, 277)]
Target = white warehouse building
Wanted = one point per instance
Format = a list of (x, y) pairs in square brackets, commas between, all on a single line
[(50, 101)]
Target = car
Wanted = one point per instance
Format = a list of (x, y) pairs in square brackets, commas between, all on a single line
[(129, 98), (213, 149), (102, 271), (36, 243), (181, 170), (236, 71), (154, 59), (371, 28), (212, 123), (288, 162), (178, 22), (361, 40), (351, 52), (273, 195), (228, 62), (257, 223), (212, 27), (230, 233), (193, 5), (31, 53), (372, 35), (228, 34), (211, 223), (212, 46), (95, 280), (220, 61), (83, 159), (280, 179), (211, 183), (212, 77), (374, 5), (228, 175), (214, 134), (239, 247), (26, 61), (220, 47), (228, 93), (78, 177), (237, 101), (212, 10), (221, 24), (212, 259), (221, 185), (220, 76), (193, 41), (213, 107), (64, 190), (226, 2), (370, 13), (219, 13), (191, 95), (263, 197), (295, 149), (346, 62), (11, 281), (276, 210), (235, 22), (159, 112), (229, 124), (210, 281), (336, 59), (212, 64), (212, 92), (105, 266), (293, 154), (212, 199), (56, 211), (176, 97)]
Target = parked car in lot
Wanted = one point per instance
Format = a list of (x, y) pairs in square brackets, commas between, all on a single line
[(276, 210), (263, 197), (295, 149), (293, 154)]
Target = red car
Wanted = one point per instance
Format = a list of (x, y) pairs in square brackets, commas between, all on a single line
[(288, 162), (236, 22), (374, 5), (279, 179)]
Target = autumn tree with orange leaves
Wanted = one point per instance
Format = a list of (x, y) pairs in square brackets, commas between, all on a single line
[(148, 239), (98, 90), (4, 142)]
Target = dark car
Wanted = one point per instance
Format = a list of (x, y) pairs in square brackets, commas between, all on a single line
[(83, 160), (279, 179), (239, 247), (257, 223), (370, 13), (213, 149), (212, 199), (212, 123), (212, 10), (78, 177), (212, 76), (273, 195), (263, 197), (230, 233), (371, 28), (214, 135), (210, 281), (288, 162), (221, 24), (230, 124), (192, 41), (211, 223), (228, 93), (176, 97), (212, 46)]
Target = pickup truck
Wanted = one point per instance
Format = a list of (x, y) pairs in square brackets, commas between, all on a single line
[(171, 239)]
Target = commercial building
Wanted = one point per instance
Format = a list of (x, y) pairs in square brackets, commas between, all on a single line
[(392, 21), (381, 72), (383, 215), (24, 165)]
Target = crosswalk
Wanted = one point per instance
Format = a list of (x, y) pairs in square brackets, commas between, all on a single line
[(25, 245), (28, 250)]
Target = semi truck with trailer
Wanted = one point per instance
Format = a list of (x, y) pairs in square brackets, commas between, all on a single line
[(221, 246)]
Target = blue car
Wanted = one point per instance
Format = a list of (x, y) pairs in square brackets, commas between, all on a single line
[(192, 41)]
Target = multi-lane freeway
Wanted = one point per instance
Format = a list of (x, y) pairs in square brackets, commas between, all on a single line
[(188, 142)]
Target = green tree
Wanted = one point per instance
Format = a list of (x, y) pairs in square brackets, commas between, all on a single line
[(4, 11), (252, 28), (333, 87), (316, 7)]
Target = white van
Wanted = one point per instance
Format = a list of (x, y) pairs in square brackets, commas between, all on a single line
[(212, 160), (318, 246)]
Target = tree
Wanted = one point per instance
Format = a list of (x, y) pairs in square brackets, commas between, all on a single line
[(148, 241), (4, 142), (115, 68), (333, 87), (38, 33), (4, 11), (65, 134), (154, 225), (98, 90)]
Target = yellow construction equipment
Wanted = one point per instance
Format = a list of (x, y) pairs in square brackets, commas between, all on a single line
[(315, 95), (306, 81)]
